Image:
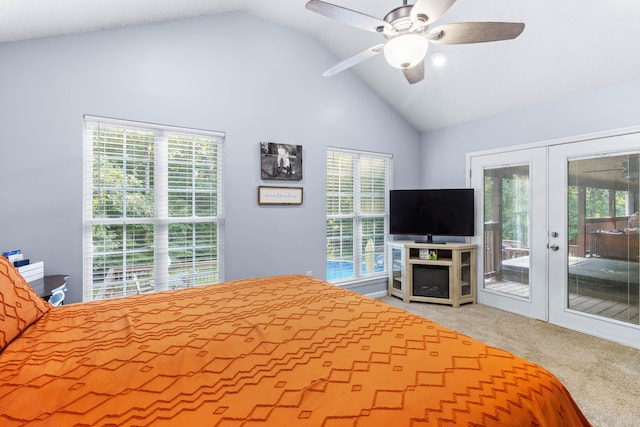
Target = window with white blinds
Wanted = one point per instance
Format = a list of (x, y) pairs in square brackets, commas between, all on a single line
[(358, 186), (152, 208)]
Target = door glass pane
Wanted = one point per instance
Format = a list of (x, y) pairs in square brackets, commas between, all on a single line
[(603, 237), (506, 230)]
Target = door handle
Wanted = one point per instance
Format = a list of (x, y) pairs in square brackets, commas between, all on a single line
[(553, 247)]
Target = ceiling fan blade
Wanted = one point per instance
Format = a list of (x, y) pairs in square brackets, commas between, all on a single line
[(432, 9), (354, 60), (475, 32), (348, 16), (415, 74)]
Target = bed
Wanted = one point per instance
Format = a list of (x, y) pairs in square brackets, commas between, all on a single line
[(277, 351)]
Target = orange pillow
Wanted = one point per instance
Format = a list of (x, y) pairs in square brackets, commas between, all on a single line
[(20, 306)]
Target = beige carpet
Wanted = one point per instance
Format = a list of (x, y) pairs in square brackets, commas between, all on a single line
[(602, 376)]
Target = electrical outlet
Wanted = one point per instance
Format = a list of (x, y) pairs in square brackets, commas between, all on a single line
[(309, 273)]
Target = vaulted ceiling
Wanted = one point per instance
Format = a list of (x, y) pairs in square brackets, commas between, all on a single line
[(567, 46)]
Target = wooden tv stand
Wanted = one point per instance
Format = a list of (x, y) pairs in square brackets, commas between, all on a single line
[(449, 277)]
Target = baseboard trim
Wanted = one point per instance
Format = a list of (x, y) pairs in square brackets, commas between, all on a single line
[(376, 295)]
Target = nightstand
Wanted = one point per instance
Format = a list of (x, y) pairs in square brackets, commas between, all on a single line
[(50, 285)]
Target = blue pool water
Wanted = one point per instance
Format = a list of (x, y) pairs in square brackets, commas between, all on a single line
[(344, 269)]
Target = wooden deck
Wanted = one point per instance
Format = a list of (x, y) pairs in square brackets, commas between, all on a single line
[(624, 312), (628, 313), (507, 287)]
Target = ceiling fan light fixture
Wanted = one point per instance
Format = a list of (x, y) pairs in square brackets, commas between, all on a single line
[(406, 50)]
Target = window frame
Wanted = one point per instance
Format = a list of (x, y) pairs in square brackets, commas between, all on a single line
[(161, 219), (357, 215)]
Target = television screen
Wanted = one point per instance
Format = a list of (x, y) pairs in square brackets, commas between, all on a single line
[(442, 212)]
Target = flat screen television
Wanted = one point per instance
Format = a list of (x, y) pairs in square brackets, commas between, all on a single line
[(432, 212)]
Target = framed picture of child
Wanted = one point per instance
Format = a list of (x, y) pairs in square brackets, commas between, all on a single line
[(280, 161)]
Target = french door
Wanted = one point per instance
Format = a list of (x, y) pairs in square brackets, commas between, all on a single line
[(593, 212), (511, 226), (559, 233)]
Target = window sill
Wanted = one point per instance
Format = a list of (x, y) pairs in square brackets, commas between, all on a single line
[(347, 283)]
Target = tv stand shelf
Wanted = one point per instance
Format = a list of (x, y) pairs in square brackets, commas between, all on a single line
[(429, 272)]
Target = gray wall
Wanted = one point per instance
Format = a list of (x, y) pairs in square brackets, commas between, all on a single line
[(443, 151), (235, 73)]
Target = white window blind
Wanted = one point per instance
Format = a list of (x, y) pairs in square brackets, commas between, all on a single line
[(358, 186), (152, 207)]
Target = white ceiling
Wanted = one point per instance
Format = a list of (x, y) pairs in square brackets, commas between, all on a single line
[(568, 46)]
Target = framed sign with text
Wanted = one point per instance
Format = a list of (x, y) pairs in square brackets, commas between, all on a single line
[(279, 195)]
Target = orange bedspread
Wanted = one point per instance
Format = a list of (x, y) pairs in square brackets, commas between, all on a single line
[(279, 351)]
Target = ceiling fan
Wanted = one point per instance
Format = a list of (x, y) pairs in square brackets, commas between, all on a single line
[(408, 32)]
